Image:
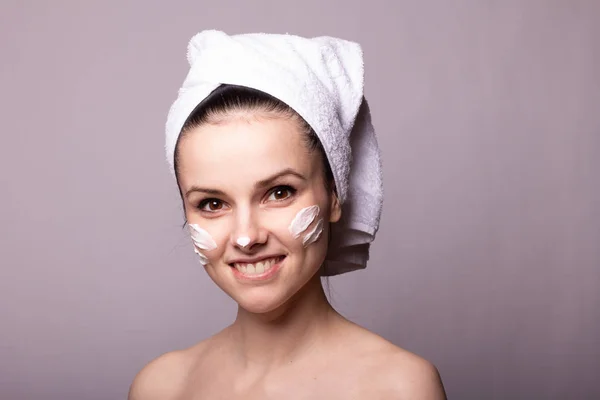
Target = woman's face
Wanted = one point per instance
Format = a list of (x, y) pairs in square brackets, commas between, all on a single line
[(256, 201)]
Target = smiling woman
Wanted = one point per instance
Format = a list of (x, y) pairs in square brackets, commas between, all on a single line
[(249, 175), (263, 168)]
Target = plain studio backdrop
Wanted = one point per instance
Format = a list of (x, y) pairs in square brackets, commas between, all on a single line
[(487, 261)]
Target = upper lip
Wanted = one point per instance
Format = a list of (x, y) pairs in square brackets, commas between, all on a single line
[(253, 260)]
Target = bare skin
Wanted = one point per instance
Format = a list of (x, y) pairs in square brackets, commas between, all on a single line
[(287, 342)]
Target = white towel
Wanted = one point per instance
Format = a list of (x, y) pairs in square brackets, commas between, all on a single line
[(322, 80)]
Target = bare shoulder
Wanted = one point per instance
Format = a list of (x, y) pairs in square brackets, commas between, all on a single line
[(409, 376), (393, 372), (162, 378), (165, 377)]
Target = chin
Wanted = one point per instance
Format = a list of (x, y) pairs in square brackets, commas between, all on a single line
[(261, 300)]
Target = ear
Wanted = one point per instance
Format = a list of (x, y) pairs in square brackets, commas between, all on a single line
[(335, 211)]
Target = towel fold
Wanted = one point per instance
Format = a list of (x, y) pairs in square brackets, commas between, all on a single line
[(322, 80)]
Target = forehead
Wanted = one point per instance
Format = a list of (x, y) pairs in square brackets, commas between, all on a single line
[(248, 148)]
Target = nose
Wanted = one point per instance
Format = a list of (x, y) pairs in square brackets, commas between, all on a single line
[(247, 233)]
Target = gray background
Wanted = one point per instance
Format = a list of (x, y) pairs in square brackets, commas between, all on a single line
[(487, 260)]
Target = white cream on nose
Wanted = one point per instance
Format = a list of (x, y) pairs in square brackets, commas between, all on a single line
[(243, 241)]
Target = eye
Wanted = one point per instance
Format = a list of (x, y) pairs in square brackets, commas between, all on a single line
[(211, 205), (280, 193)]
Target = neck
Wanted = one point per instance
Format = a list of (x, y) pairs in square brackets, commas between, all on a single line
[(281, 335)]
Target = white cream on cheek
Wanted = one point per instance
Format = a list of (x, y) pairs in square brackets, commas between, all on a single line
[(201, 257), (302, 221), (202, 240), (314, 234)]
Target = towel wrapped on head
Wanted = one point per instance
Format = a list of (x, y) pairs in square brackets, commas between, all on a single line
[(322, 80)]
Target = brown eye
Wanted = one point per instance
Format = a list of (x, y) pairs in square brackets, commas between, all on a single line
[(281, 193), (211, 205)]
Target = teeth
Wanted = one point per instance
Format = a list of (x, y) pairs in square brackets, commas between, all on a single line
[(257, 268), (260, 267)]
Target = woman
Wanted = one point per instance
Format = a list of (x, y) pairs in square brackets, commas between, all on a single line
[(259, 142)]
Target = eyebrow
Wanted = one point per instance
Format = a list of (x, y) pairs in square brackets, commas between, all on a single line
[(259, 184)]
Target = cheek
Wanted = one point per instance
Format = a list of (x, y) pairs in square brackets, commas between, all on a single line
[(298, 229), (209, 241), (302, 220), (313, 234), (307, 225), (277, 224)]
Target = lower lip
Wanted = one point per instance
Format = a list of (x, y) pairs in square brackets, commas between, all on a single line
[(259, 277)]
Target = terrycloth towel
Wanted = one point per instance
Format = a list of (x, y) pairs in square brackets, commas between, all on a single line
[(322, 80)]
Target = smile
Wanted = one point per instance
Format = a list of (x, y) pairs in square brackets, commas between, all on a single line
[(258, 270)]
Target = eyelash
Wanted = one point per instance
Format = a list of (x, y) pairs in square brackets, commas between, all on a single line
[(283, 187), (292, 191)]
